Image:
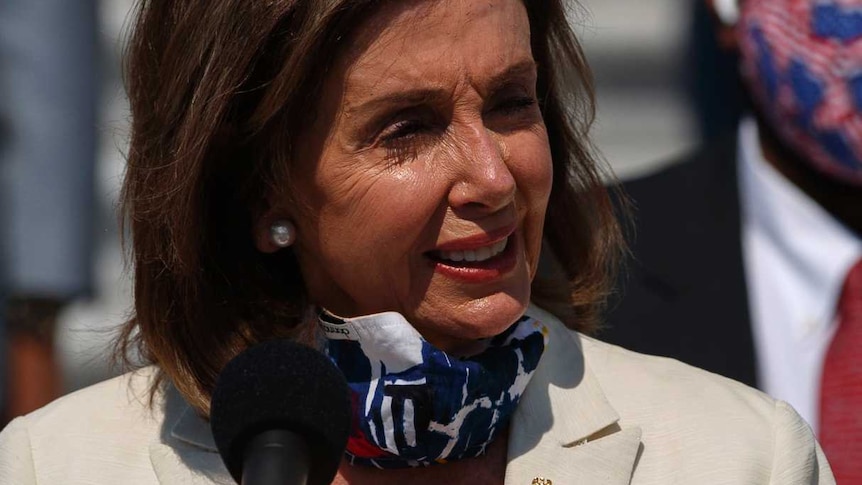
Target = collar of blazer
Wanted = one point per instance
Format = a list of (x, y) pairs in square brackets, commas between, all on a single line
[(564, 430)]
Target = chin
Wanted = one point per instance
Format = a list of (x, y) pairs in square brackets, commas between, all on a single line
[(507, 313), (488, 317)]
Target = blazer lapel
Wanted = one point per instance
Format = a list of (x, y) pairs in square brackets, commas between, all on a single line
[(565, 430), (185, 451)]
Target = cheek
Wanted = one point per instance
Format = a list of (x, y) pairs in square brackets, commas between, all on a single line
[(532, 167), (367, 233), (369, 215)]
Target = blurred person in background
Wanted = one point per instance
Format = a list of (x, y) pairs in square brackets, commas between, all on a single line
[(48, 93), (748, 254), (710, 76)]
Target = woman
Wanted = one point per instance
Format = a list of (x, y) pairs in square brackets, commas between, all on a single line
[(399, 166)]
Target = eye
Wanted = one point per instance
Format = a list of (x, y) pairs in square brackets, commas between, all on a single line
[(403, 139), (403, 129), (406, 133), (515, 105), (513, 112)]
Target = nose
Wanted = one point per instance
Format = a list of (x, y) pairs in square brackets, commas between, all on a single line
[(484, 183)]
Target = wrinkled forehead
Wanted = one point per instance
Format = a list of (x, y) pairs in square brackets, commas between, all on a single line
[(417, 40)]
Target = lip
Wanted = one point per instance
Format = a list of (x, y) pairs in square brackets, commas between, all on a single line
[(477, 241), (479, 271)]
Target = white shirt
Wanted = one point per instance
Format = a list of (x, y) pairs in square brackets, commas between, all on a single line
[(796, 258)]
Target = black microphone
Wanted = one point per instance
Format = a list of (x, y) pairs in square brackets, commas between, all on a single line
[(280, 414)]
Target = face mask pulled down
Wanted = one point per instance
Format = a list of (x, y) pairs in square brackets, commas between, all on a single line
[(415, 405)]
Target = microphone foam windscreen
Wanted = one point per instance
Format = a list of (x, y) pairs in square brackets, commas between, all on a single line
[(282, 385)]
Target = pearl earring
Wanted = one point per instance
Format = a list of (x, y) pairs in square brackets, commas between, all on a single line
[(282, 233)]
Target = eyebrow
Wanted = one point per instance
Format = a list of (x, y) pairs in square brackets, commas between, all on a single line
[(517, 70), (423, 95), (401, 98)]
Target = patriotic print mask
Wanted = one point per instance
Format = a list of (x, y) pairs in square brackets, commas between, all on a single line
[(802, 60), (413, 404)]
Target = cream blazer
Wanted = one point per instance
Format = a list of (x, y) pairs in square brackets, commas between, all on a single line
[(592, 414)]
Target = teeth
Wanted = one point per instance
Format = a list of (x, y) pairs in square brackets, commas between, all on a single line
[(475, 255)]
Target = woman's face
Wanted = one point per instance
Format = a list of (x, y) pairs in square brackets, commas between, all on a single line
[(423, 182)]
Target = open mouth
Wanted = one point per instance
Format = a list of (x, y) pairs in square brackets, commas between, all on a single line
[(473, 255), (478, 264)]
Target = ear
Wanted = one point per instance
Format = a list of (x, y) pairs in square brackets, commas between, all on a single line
[(263, 230), (726, 13)]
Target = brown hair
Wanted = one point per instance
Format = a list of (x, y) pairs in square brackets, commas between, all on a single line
[(219, 91)]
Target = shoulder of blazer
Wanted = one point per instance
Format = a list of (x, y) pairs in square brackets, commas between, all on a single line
[(661, 421), (683, 292), (95, 435), (698, 425), (631, 380), (123, 397), (112, 433)]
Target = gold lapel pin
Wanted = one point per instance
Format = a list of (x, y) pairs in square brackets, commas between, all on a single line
[(542, 481)]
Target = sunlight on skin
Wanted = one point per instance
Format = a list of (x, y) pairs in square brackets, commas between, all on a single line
[(429, 137)]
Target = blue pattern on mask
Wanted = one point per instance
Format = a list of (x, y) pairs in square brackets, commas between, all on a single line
[(836, 146), (836, 22), (808, 91), (855, 85), (766, 65), (440, 409)]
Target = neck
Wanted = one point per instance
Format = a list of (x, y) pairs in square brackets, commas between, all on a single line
[(841, 200)]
